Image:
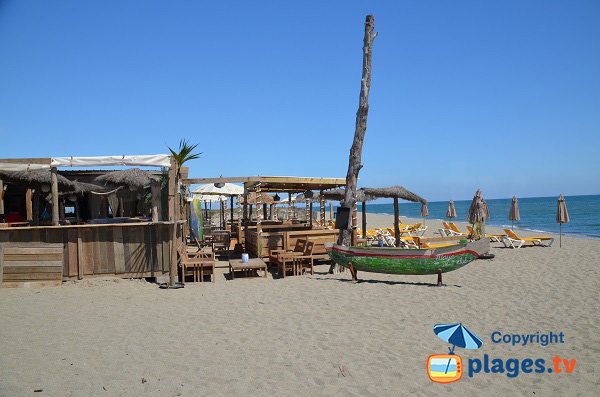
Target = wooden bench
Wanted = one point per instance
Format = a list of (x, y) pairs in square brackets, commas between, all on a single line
[(31, 264)]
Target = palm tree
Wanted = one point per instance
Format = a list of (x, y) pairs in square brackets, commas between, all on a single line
[(181, 156)]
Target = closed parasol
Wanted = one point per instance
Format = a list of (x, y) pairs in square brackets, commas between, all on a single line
[(514, 214), (562, 215), (451, 213)]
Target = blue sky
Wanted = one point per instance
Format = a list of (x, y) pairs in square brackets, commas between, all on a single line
[(502, 96)]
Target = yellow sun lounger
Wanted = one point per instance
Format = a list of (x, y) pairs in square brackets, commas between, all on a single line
[(511, 239), (493, 237)]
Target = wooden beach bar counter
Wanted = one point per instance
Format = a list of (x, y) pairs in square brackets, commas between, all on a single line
[(125, 250)]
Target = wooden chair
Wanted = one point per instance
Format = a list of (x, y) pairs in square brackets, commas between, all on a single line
[(305, 261), (221, 239), (285, 259), (201, 263), (298, 249)]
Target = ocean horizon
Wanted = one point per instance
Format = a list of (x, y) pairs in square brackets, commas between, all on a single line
[(537, 213)]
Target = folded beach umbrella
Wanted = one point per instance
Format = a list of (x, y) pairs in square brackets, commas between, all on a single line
[(514, 214), (457, 335), (562, 215), (451, 213)]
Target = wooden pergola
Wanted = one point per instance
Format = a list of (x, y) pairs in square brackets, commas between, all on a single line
[(255, 185)]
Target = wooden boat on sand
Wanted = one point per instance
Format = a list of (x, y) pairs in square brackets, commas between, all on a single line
[(407, 261)]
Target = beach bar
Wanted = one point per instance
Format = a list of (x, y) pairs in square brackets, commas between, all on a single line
[(259, 237), (111, 230)]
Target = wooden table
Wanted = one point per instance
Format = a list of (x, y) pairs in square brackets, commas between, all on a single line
[(253, 264)]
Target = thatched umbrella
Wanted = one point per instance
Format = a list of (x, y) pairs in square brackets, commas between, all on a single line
[(338, 195), (514, 214), (562, 215), (451, 213), (478, 213), (132, 177), (395, 192)]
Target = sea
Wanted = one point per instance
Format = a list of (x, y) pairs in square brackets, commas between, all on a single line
[(537, 213)]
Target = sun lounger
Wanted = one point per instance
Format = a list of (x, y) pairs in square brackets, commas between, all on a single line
[(513, 240), (493, 237)]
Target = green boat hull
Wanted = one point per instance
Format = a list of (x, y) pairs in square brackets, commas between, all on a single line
[(407, 261)]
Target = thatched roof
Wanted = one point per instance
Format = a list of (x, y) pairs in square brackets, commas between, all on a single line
[(36, 178), (266, 199), (133, 177), (83, 187), (338, 195), (394, 191)]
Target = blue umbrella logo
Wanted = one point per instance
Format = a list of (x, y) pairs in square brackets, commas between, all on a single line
[(457, 335)]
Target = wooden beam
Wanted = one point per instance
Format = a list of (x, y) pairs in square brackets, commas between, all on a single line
[(39, 160), (54, 189)]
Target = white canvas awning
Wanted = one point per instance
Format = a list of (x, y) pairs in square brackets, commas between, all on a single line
[(149, 160), (23, 167), (210, 198), (228, 189)]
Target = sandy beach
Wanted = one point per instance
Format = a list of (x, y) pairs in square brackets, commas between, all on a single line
[(308, 335)]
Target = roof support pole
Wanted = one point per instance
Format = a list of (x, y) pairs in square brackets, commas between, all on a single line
[(29, 204), (259, 207), (364, 219), (54, 190), (396, 222), (1, 197), (322, 208), (156, 202), (289, 208)]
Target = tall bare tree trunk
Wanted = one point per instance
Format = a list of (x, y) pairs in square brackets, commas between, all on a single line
[(354, 163)]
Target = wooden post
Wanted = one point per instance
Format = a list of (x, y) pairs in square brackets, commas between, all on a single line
[(330, 211), (311, 213), (29, 204), (79, 255), (54, 189), (231, 211), (173, 210), (258, 221), (322, 208), (271, 208), (354, 239), (354, 162), (396, 222), (364, 219), (306, 211), (289, 209), (156, 201), (1, 197), (265, 212), (36, 209)]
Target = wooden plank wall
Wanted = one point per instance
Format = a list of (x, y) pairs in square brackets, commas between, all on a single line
[(30, 264), (126, 251)]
